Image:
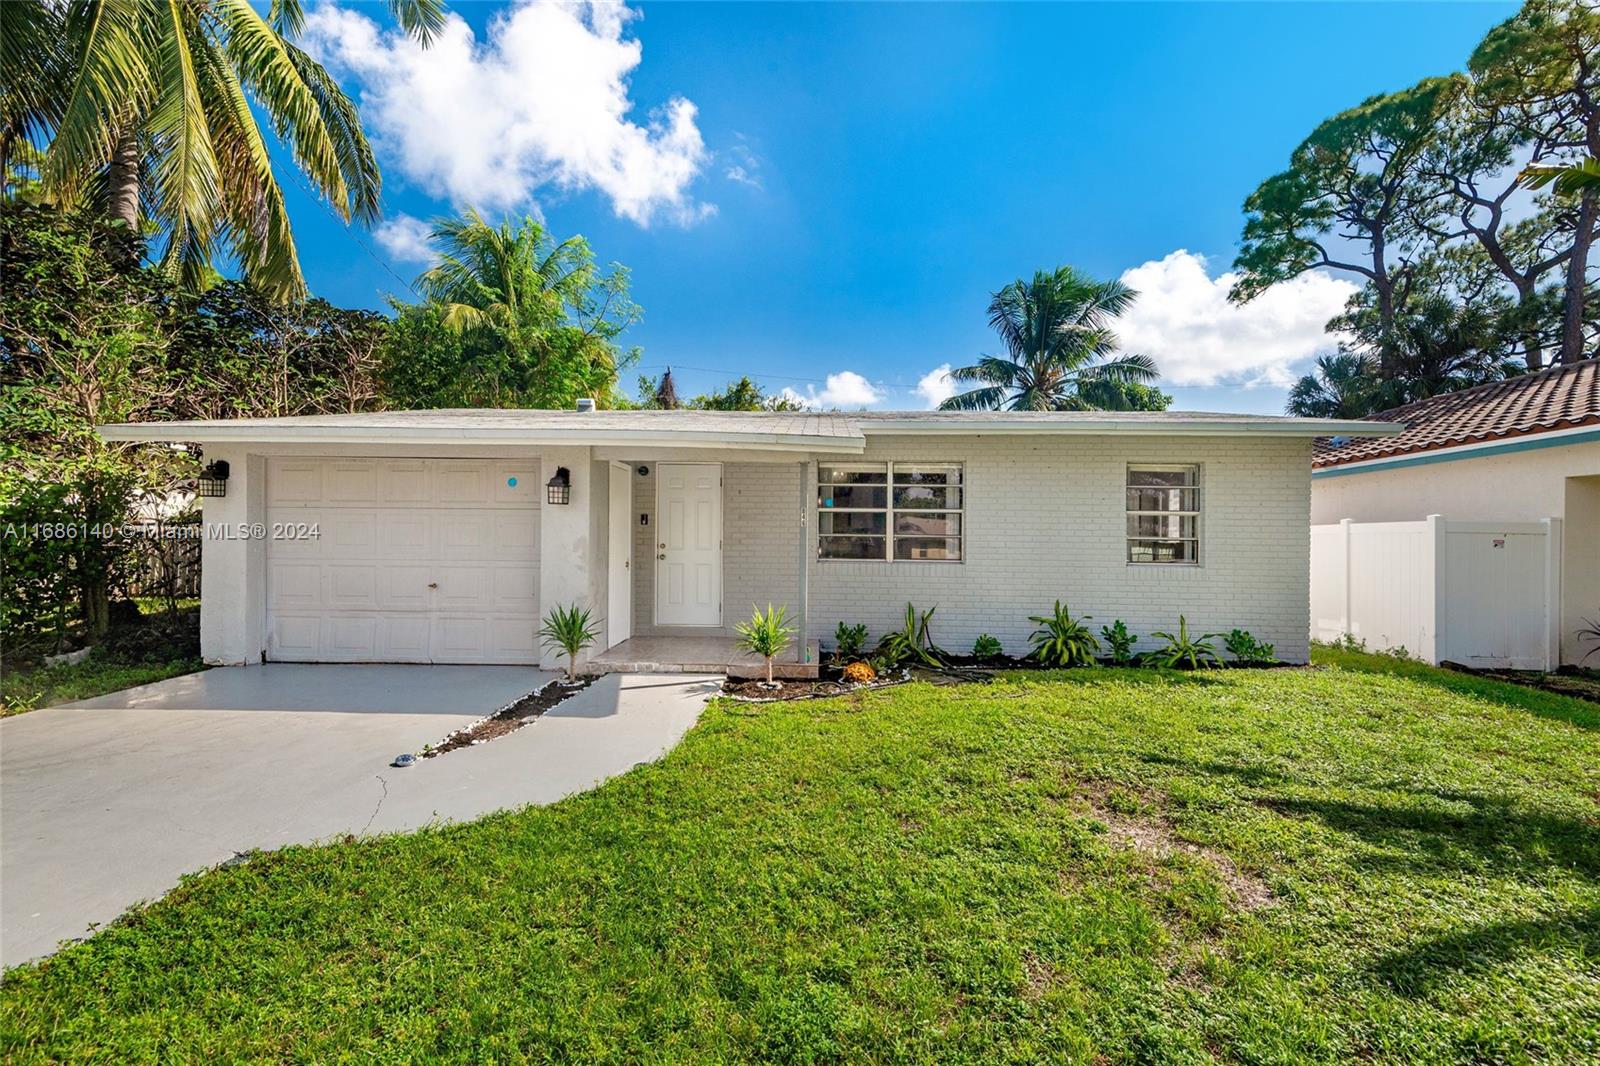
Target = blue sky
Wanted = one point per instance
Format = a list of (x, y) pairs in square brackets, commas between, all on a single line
[(823, 196)]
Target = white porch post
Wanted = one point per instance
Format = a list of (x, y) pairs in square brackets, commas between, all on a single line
[(804, 560), (568, 562)]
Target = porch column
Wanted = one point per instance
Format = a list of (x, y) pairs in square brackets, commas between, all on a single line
[(568, 564), (233, 563), (807, 493)]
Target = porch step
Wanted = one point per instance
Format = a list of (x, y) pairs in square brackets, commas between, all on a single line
[(694, 657)]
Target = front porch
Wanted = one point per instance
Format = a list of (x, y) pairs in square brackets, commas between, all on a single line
[(709, 653)]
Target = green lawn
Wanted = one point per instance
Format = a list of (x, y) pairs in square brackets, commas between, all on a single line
[(1370, 860), (27, 690)]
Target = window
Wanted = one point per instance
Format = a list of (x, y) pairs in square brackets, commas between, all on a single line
[(890, 511), (1163, 514)]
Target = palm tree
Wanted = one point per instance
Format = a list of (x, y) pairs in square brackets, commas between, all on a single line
[(1059, 349), (1570, 179), (151, 115), (1343, 386), (537, 304)]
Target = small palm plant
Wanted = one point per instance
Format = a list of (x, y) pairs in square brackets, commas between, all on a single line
[(1182, 651), (1062, 640), (767, 634), (571, 629)]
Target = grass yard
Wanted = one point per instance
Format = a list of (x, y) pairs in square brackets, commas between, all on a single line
[(27, 690), (1372, 860)]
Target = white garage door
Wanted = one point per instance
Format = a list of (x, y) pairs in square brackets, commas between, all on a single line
[(413, 561)]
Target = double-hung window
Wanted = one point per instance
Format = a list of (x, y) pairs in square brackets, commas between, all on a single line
[(1163, 505), (892, 512)]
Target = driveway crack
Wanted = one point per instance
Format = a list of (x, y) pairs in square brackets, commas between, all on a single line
[(379, 807)]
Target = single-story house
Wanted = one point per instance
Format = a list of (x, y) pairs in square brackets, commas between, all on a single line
[(1503, 456), (442, 536)]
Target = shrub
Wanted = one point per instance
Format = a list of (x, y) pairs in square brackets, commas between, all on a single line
[(1181, 651), (987, 647), (1590, 630), (912, 642), (571, 629), (848, 640), (1062, 640), (1120, 641), (1247, 649), (859, 673), (767, 633), (160, 638)]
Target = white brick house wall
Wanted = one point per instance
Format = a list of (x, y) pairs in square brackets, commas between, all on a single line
[(1045, 519)]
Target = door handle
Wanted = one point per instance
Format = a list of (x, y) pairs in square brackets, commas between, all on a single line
[(433, 584)]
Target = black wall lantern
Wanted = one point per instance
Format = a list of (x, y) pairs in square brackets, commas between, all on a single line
[(214, 479), (559, 488)]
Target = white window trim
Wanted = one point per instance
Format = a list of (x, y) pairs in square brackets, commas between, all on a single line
[(1198, 514), (888, 511)]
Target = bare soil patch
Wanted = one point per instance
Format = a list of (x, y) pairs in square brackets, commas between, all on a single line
[(1133, 817), (1573, 681), (511, 718)]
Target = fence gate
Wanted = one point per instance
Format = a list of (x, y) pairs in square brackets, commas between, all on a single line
[(1478, 593)]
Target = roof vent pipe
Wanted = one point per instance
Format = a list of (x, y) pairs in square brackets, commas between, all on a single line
[(586, 403)]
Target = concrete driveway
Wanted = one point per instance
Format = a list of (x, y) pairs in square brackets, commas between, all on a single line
[(107, 802)]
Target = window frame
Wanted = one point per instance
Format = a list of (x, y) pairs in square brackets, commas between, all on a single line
[(1198, 513), (889, 511)]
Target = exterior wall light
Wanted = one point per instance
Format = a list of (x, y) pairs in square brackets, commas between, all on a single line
[(214, 479), (559, 488)]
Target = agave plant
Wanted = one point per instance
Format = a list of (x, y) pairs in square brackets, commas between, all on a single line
[(1590, 630), (767, 634), (571, 629), (1062, 640), (1182, 651), (912, 642)]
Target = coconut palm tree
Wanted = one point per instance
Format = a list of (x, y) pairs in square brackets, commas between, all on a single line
[(1570, 179), (153, 120), (1059, 349), (547, 316)]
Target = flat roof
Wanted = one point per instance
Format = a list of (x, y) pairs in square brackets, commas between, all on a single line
[(812, 431)]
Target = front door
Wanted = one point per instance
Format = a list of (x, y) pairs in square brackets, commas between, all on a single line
[(689, 544), (619, 587)]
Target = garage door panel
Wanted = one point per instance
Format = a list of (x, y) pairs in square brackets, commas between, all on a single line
[(404, 638), (351, 587), (465, 535), (354, 482), (295, 586), (406, 535), (468, 483), (295, 636), (292, 481), (416, 561), (405, 588), (515, 588), (405, 481)]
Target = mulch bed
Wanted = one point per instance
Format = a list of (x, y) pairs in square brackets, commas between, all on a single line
[(1568, 681), (511, 718), (829, 683)]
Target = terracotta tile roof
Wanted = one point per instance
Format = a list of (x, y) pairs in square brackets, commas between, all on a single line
[(1561, 397)]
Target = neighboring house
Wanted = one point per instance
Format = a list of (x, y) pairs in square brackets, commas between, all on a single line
[(441, 536), (1509, 455)]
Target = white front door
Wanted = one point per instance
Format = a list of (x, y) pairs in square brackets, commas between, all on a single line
[(689, 544), (619, 583)]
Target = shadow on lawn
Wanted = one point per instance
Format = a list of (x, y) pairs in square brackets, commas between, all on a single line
[(1567, 709), (1494, 833), (1424, 966)]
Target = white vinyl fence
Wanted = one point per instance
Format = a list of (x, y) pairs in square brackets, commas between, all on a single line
[(1477, 593)]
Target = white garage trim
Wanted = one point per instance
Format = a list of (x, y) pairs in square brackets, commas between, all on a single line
[(402, 560)]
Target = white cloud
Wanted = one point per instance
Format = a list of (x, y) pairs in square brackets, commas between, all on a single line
[(935, 387), (1183, 321), (846, 390), (542, 102), (744, 166), (406, 238)]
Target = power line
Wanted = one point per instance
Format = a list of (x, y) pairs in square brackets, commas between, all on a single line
[(344, 226)]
